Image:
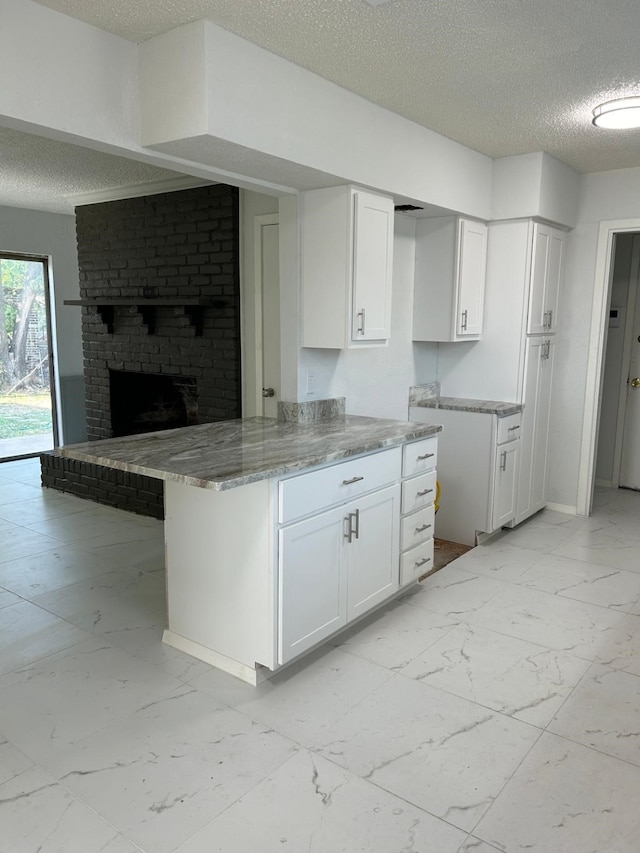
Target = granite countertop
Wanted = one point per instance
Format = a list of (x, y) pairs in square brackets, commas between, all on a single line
[(227, 454), (466, 404)]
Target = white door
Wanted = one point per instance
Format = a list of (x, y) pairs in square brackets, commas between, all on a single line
[(505, 481), (311, 582), (546, 272), (372, 553), (372, 267), (472, 266), (630, 459), (268, 314), (534, 433)]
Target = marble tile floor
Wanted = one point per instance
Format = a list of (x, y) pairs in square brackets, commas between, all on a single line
[(495, 707)]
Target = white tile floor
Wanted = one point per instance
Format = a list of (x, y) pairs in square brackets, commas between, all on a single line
[(495, 707)]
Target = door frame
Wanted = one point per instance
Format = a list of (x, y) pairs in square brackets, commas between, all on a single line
[(54, 390), (608, 231), (630, 312), (261, 221)]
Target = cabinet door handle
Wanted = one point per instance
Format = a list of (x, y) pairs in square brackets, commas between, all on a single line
[(503, 460), (352, 530), (463, 320), (360, 329), (423, 493), (421, 562), (356, 530), (352, 481), (423, 527), (426, 456)]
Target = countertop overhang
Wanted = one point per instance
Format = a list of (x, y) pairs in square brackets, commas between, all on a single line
[(227, 454)]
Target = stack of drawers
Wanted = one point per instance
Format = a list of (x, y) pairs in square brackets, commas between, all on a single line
[(417, 507)]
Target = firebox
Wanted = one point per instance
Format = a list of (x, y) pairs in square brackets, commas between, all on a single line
[(145, 402)]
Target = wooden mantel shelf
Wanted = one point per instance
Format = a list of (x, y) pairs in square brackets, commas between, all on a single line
[(146, 306)]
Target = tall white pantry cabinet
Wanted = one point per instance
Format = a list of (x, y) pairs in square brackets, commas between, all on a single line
[(524, 270)]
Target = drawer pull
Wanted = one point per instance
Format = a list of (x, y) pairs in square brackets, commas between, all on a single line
[(424, 527), (421, 562), (352, 481), (426, 456), (511, 429), (424, 492)]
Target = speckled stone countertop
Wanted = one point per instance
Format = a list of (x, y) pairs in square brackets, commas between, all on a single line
[(465, 404), (227, 454)]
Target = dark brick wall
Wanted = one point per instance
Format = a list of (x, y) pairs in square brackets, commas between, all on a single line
[(180, 244), (119, 489), (174, 245)]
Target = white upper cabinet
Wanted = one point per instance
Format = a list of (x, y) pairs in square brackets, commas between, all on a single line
[(347, 265), (546, 271), (451, 261)]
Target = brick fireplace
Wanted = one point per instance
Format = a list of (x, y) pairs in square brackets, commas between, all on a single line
[(159, 294)]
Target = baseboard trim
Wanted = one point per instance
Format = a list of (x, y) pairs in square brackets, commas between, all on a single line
[(566, 508)]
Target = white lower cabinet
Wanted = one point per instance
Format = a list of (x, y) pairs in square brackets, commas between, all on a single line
[(505, 482), (419, 490), (334, 567), (338, 562), (478, 469), (260, 574)]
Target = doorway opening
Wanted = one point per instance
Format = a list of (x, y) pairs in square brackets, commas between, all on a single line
[(617, 459), (28, 423)]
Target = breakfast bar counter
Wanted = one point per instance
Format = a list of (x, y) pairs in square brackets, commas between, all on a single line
[(279, 534)]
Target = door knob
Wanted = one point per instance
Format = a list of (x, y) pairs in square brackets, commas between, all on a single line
[(268, 392), (635, 383)]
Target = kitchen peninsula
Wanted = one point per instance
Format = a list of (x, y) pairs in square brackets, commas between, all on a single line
[(278, 534)]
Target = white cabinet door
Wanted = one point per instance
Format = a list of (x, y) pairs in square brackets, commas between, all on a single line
[(546, 271), (372, 554), (534, 436), (449, 282), (472, 265), (346, 267), (372, 267), (505, 481), (312, 582)]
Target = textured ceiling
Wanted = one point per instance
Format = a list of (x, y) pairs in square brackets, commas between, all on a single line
[(500, 76), (44, 174)]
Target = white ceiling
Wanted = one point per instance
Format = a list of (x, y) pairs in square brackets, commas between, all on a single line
[(500, 76)]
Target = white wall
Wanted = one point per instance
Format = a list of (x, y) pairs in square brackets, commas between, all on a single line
[(66, 76), (376, 380), (272, 107), (604, 196)]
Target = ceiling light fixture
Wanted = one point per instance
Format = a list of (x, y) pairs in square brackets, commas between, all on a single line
[(618, 114)]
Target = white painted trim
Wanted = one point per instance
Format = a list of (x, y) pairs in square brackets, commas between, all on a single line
[(169, 185), (593, 381), (251, 675), (634, 272), (260, 221), (566, 508)]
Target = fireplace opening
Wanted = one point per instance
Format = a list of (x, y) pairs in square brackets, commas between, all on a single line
[(145, 402)]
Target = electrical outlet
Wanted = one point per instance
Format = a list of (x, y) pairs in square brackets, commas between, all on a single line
[(311, 383)]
